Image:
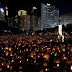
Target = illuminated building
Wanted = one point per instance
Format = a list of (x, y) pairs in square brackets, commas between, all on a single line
[(6, 8), (24, 20), (34, 21), (47, 16), (22, 13), (27, 23), (34, 11), (56, 17), (66, 19)]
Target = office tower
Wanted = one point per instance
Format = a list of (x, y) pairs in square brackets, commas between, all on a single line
[(47, 16), (34, 11), (27, 23), (24, 20), (21, 14), (56, 17), (34, 20)]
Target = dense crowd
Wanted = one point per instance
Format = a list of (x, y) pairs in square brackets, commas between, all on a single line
[(35, 53)]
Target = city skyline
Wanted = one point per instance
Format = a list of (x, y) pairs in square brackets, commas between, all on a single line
[(14, 5)]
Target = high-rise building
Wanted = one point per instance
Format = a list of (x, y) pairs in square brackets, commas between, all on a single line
[(27, 23), (22, 13), (24, 20), (56, 17), (34, 11), (47, 16), (34, 20)]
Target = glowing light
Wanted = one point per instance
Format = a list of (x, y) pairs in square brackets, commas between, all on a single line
[(38, 56), (68, 52), (48, 4), (6, 8), (7, 12), (20, 61), (57, 65), (8, 66), (2, 10), (35, 61), (31, 56), (34, 8), (12, 61), (27, 59), (51, 53), (2, 64), (46, 69), (64, 57), (18, 56), (20, 51), (42, 54), (1, 57)]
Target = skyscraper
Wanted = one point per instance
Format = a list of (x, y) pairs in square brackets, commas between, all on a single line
[(47, 16), (27, 23), (34, 20), (56, 17), (34, 11), (25, 20), (22, 14)]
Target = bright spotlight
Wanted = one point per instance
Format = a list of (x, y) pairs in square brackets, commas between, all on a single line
[(2, 10)]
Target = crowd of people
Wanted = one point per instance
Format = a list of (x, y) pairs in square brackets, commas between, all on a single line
[(35, 53)]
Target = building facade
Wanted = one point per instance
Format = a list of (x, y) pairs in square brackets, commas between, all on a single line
[(66, 19), (34, 19), (27, 23), (56, 17), (48, 16), (22, 14)]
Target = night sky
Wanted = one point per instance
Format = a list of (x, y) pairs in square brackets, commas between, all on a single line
[(65, 6)]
